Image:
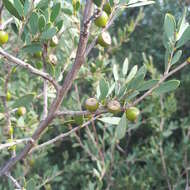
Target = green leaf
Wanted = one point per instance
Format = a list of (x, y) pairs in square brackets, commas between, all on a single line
[(23, 101), (167, 87), (184, 38), (121, 128), (131, 95), (104, 88), (125, 66), (136, 82), (49, 33), (41, 23), (26, 7), (132, 74), (19, 7), (115, 72), (67, 11), (55, 11), (139, 4), (176, 57), (32, 48), (43, 4), (59, 24), (110, 120), (11, 8), (147, 85), (170, 26), (33, 22), (31, 185), (2, 116)]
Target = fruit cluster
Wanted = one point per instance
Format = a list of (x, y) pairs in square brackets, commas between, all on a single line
[(104, 39), (113, 107)]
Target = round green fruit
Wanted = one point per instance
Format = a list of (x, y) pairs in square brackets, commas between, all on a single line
[(107, 8), (91, 104), (104, 39), (54, 41), (8, 96), (102, 20), (132, 113), (38, 54), (97, 2), (3, 37), (21, 111), (114, 107)]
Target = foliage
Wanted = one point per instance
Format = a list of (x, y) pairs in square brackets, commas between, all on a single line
[(108, 152)]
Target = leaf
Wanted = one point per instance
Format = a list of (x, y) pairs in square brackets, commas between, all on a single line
[(104, 88), (31, 185), (23, 101), (55, 11), (49, 33), (41, 23), (132, 95), (43, 4), (167, 87), (176, 57), (147, 85), (115, 72), (184, 38), (26, 7), (19, 7), (125, 66), (169, 26), (2, 116), (11, 8), (59, 24), (33, 22), (136, 82), (138, 4), (121, 128), (110, 120), (132, 74), (32, 48)]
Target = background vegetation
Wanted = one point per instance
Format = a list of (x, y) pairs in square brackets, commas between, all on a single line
[(151, 154)]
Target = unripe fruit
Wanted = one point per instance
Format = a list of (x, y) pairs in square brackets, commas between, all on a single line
[(132, 113), (8, 96), (188, 59), (38, 54), (107, 8), (102, 20), (91, 104), (54, 41), (3, 37), (97, 2), (104, 39), (21, 111), (11, 130), (52, 59), (114, 107)]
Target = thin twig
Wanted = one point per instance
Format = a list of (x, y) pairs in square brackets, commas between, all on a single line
[(14, 181), (27, 66), (61, 136), (14, 142)]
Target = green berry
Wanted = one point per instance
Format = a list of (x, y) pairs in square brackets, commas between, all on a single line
[(102, 20), (8, 96), (3, 37), (91, 104), (21, 111), (132, 113), (52, 59), (54, 41)]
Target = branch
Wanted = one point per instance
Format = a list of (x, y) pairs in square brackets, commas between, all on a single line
[(61, 93), (77, 113), (29, 67), (164, 77), (14, 142), (61, 136), (15, 182)]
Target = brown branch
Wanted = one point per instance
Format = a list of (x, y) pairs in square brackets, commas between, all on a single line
[(79, 60), (27, 66), (164, 77)]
